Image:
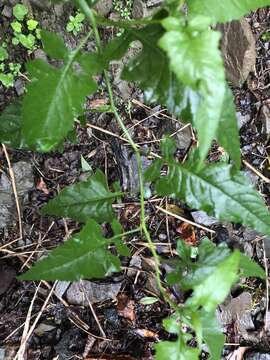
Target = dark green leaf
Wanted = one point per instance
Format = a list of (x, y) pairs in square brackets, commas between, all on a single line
[(150, 68), (84, 200), (54, 98), (54, 45), (212, 334), (223, 11), (214, 189), (10, 126), (227, 135), (197, 63), (213, 290), (175, 350), (85, 255)]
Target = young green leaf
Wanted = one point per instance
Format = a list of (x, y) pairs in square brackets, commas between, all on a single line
[(54, 98), (84, 200), (3, 53), (223, 11), (250, 268), (20, 11), (85, 255), (214, 189), (227, 134), (196, 60), (149, 300), (214, 289), (212, 334), (175, 350)]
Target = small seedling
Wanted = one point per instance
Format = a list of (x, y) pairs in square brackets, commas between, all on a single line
[(75, 23), (20, 11)]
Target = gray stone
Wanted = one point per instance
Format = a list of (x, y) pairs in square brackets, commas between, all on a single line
[(79, 292), (264, 119), (104, 7), (42, 328), (19, 87), (40, 54), (24, 182), (238, 312), (134, 265), (7, 11), (200, 217), (61, 288), (238, 49), (257, 356), (242, 119)]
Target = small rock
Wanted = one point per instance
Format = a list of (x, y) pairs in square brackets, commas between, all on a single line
[(257, 356), (79, 292), (104, 7), (151, 285), (242, 119), (24, 177), (250, 234), (2, 353), (42, 328), (238, 312), (238, 49), (7, 275), (19, 87), (134, 265), (40, 54), (201, 217), (264, 118), (7, 11), (61, 288), (140, 9)]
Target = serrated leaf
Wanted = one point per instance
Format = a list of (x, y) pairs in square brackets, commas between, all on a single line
[(149, 67), (249, 267), (213, 290), (196, 60), (214, 189), (54, 98), (84, 200), (227, 134), (223, 11), (175, 350), (53, 45), (85, 255)]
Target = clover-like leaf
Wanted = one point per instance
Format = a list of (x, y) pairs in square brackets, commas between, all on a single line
[(85, 255), (84, 200)]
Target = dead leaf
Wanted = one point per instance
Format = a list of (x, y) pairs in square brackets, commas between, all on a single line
[(96, 103), (187, 233), (126, 307), (114, 357), (174, 209), (41, 185), (146, 333)]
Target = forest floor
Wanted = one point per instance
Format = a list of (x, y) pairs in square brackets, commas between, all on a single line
[(117, 325)]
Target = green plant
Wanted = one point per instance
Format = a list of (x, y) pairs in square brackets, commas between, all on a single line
[(123, 8), (179, 66), (75, 23), (25, 32)]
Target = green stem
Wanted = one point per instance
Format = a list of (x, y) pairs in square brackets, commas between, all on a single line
[(90, 15)]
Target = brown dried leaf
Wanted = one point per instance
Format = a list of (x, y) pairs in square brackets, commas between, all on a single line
[(41, 185), (187, 233), (126, 307)]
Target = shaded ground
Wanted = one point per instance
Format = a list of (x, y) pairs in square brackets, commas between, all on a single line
[(126, 329)]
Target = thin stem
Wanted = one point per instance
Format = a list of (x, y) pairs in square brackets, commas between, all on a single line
[(89, 13)]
